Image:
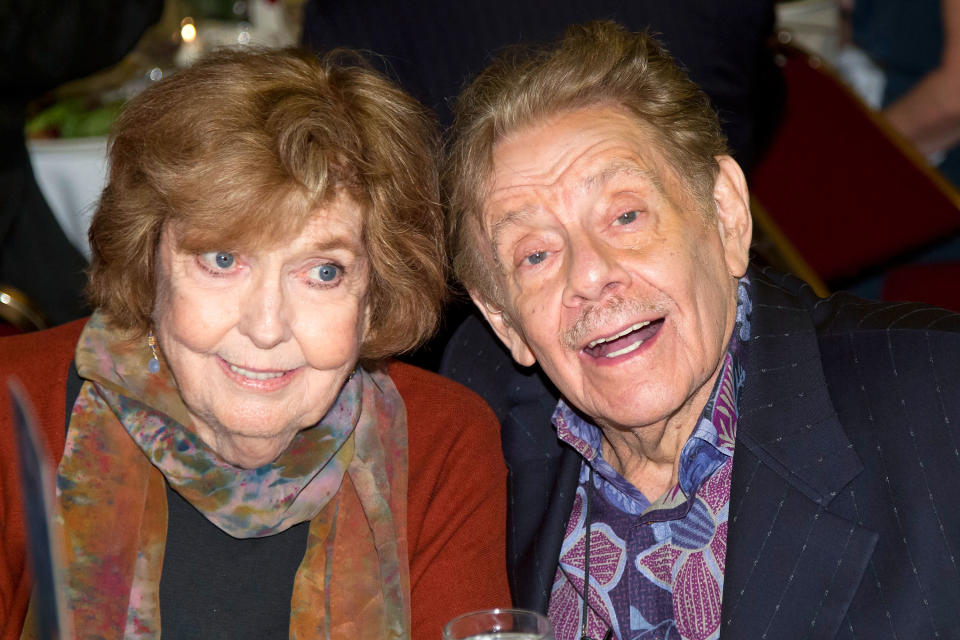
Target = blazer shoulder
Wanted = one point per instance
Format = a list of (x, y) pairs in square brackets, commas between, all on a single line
[(844, 312)]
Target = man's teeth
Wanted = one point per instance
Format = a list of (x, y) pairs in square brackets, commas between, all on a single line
[(627, 349), (629, 329), (255, 375)]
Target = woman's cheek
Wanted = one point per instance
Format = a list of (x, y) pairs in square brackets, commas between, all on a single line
[(330, 336)]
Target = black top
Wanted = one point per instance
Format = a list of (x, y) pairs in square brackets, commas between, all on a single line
[(214, 585)]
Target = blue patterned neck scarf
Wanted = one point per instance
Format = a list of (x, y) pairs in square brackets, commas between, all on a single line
[(673, 549)]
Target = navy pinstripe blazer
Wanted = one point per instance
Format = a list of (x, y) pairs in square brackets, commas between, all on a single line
[(845, 499)]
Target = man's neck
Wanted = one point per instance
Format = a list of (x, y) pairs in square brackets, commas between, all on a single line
[(649, 456)]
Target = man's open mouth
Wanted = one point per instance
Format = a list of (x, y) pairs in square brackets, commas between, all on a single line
[(625, 341)]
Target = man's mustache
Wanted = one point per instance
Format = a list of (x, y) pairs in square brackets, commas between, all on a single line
[(608, 312)]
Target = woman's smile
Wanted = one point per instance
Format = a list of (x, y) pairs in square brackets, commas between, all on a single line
[(258, 379)]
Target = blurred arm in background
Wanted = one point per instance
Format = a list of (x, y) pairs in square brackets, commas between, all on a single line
[(929, 113)]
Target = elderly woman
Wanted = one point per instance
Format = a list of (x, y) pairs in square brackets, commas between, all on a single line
[(240, 459)]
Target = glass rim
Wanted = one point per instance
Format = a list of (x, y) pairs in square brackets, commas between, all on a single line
[(497, 611)]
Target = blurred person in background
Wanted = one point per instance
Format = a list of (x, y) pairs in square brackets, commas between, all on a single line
[(433, 47), (238, 455), (45, 44), (916, 44)]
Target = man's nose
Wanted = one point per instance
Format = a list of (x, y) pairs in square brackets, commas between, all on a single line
[(265, 314), (593, 270)]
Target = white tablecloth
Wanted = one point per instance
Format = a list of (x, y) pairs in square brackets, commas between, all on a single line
[(71, 174)]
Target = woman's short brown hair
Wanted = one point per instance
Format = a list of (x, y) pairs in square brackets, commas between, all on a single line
[(241, 149), (595, 63)]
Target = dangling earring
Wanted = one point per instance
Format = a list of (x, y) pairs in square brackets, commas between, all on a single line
[(154, 364)]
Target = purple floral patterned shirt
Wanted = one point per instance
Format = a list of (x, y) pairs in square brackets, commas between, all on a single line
[(656, 570)]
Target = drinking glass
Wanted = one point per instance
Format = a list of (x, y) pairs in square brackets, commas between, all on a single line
[(499, 624)]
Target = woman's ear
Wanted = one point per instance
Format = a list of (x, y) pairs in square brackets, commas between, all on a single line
[(734, 223)]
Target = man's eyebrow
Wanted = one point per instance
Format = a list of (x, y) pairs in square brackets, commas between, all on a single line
[(506, 221), (619, 167)]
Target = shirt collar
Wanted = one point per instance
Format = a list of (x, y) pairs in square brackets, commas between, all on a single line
[(716, 426)]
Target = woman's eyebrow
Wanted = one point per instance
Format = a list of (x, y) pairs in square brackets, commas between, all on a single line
[(335, 241)]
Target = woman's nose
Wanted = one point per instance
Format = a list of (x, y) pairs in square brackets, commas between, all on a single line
[(265, 314)]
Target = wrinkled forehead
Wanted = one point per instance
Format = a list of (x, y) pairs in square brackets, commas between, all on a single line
[(570, 141), (275, 223), (589, 175), (570, 155), (575, 151)]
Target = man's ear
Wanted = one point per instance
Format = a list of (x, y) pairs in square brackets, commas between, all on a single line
[(733, 215), (503, 327)]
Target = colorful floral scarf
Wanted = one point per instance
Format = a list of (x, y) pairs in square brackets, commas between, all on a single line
[(126, 441)]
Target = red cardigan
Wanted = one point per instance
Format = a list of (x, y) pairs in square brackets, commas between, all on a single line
[(456, 497)]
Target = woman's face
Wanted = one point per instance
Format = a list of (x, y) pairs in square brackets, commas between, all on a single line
[(260, 343)]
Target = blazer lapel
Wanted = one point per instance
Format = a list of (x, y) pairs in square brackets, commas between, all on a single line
[(792, 567), (535, 565)]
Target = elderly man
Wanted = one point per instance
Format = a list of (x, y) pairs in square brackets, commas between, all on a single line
[(730, 455)]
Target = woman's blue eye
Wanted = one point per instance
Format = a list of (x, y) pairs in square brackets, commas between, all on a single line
[(627, 218), (537, 258), (327, 272)]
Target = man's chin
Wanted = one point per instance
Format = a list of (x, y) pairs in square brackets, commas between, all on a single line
[(643, 405)]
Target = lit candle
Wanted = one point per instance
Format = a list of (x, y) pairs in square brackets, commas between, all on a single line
[(190, 48)]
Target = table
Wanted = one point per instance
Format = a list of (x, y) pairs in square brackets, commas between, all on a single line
[(71, 174)]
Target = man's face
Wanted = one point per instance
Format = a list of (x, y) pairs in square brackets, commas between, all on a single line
[(614, 279)]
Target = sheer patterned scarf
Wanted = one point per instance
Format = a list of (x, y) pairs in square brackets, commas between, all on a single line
[(347, 475)]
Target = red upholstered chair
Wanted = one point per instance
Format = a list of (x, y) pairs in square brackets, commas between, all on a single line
[(934, 283), (841, 190), (8, 330)]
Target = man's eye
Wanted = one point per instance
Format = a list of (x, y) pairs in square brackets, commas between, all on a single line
[(626, 218), (326, 272), (218, 259), (536, 258)]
